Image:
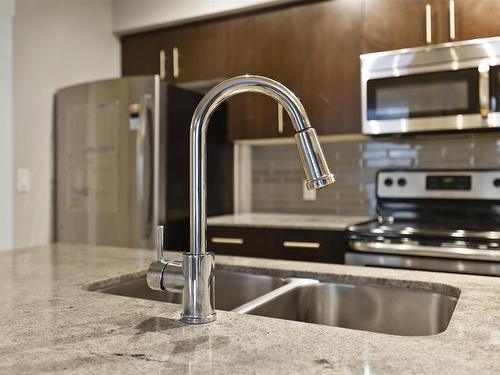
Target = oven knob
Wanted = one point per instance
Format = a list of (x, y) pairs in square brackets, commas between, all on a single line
[(388, 182), (496, 182), (402, 182)]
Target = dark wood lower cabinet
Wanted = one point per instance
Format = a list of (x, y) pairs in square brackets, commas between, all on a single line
[(327, 246)]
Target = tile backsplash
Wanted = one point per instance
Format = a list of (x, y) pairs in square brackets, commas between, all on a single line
[(277, 175)]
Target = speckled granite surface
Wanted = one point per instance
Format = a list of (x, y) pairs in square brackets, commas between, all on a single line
[(49, 323), (268, 220)]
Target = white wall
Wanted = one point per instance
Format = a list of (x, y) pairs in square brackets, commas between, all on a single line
[(56, 43), (7, 8), (138, 15)]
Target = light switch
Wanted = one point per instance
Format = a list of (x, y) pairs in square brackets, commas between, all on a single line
[(308, 195), (23, 180)]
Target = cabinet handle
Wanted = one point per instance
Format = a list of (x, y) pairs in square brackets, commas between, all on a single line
[(280, 119), (175, 62), (302, 245), (227, 240), (428, 23), (162, 64), (451, 8)]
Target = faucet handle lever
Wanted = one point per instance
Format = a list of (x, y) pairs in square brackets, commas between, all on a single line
[(159, 242), (154, 275), (164, 274)]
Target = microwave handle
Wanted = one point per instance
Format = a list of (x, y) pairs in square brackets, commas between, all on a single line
[(484, 91)]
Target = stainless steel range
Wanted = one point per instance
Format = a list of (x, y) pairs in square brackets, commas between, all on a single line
[(435, 220)]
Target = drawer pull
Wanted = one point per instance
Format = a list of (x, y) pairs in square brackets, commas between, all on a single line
[(228, 240), (302, 245)]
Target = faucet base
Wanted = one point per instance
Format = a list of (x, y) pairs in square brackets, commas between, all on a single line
[(198, 320), (198, 294)]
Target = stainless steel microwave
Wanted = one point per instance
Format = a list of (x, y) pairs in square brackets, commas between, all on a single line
[(451, 86)]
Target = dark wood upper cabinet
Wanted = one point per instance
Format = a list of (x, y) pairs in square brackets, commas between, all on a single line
[(329, 42), (312, 48), (477, 19), (201, 51), (191, 52), (261, 44), (140, 53), (395, 24)]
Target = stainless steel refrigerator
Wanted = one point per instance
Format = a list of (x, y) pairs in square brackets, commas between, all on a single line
[(122, 162)]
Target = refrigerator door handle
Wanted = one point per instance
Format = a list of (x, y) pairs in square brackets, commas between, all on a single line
[(144, 169)]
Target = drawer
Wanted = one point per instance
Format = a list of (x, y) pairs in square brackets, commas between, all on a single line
[(277, 243), (310, 245), (239, 241)]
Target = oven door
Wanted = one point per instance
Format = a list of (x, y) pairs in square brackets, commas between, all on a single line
[(463, 266), (435, 101)]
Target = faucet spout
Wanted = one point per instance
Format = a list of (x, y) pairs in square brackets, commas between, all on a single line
[(316, 169)]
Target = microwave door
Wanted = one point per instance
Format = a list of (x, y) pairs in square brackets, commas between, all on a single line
[(494, 90), (424, 102)]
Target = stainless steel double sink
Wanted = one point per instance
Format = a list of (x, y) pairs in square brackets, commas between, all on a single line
[(383, 309)]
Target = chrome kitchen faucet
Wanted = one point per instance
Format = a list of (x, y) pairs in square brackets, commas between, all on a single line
[(194, 275)]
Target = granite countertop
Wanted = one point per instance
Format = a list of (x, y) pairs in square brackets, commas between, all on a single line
[(51, 323), (271, 220)]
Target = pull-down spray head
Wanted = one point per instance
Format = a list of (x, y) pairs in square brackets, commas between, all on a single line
[(313, 161)]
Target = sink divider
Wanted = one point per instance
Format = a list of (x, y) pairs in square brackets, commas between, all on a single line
[(292, 283)]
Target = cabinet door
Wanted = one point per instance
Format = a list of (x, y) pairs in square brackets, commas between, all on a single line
[(200, 50), (240, 241), (140, 53), (395, 24), (329, 67), (309, 245), (313, 48), (262, 44), (477, 19)]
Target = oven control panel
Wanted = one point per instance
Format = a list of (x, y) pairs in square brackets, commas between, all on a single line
[(439, 184)]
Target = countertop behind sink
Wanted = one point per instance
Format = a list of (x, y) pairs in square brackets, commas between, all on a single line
[(281, 220), (51, 322)]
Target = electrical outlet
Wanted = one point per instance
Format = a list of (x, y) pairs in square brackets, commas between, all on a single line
[(23, 180), (308, 195)]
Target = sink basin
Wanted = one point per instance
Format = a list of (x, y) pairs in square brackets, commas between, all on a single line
[(397, 311), (232, 289), (383, 309)]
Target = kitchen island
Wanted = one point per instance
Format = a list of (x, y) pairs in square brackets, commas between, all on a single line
[(53, 322)]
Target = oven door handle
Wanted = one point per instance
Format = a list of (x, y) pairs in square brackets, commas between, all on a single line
[(425, 251)]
